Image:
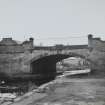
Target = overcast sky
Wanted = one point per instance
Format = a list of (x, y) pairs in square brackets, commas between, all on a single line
[(52, 21)]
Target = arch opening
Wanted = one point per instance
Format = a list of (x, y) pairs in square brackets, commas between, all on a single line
[(45, 67)]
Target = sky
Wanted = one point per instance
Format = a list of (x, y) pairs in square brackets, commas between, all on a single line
[(52, 22)]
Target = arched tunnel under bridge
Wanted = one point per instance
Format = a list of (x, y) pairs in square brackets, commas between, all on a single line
[(45, 66)]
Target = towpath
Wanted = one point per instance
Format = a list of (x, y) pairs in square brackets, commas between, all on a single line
[(67, 91)]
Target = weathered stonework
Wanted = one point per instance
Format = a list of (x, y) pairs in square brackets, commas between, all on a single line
[(97, 54), (96, 43), (15, 57), (12, 56), (7, 45)]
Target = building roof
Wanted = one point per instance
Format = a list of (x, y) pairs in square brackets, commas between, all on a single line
[(8, 41)]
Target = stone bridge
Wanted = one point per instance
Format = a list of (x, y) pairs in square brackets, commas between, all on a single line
[(37, 62), (24, 59), (45, 61)]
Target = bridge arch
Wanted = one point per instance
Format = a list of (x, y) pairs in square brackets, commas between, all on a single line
[(45, 64)]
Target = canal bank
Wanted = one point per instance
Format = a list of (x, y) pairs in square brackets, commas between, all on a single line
[(65, 90)]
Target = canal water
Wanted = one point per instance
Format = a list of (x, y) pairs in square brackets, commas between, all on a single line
[(21, 86)]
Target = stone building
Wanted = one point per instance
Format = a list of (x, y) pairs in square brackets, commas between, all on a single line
[(8, 45), (12, 55), (97, 54), (96, 43)]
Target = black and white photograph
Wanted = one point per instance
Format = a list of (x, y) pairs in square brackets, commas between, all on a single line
[(52, 52)]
